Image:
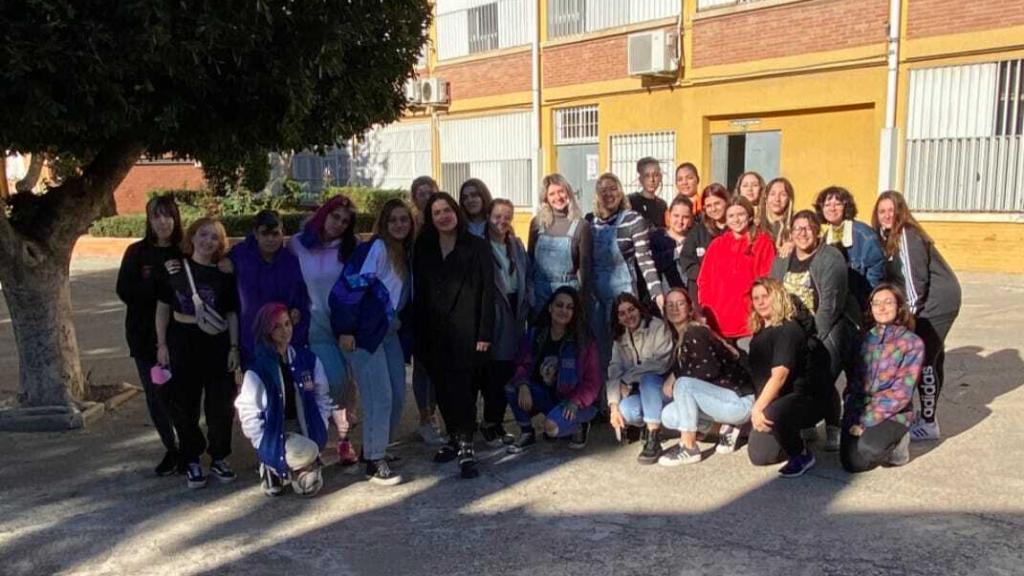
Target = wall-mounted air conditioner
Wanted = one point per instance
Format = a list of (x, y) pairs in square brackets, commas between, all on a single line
[(434, 92), (653, 53), (412, 91)]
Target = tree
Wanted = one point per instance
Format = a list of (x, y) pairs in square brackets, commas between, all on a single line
[(223, 82)]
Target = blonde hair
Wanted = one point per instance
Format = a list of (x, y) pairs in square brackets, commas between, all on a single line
[(222, 236), (545, 215), (782, 306), (599, 209)]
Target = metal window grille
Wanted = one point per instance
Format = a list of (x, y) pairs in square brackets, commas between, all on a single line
[(475, 26), (964, 129), (495, 149), (312, 167), (577, 125), (392, 156), (627, 149), (571, 17)]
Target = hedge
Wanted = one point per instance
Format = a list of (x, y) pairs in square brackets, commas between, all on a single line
[(134, 225)]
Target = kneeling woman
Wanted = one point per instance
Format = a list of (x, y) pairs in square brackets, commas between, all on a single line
[(707, 383), (284, 405), (640, 357), (786, 376), (556, 374), (880, 396)]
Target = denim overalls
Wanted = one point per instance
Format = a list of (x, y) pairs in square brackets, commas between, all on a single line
[(553, 266), (612, 276)]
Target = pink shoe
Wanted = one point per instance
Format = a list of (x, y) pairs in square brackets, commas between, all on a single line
[(346, 455)]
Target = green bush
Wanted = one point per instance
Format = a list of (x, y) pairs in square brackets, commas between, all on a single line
[(237, 225), (367, 200)]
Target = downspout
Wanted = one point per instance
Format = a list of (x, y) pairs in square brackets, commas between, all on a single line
[(535, 147), (889, 148)]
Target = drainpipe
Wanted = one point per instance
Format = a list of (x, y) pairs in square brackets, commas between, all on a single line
[(535, 147), (889, 148)]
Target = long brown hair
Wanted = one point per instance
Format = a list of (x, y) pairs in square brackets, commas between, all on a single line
[(902, 218), (752, 227), (719, 191), (398, 250), (787, 216)]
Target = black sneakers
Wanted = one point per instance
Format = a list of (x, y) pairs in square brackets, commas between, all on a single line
[(222, 472), (447, 452), (652, 449), (379, 472), (467, 460), (525, 440), (580, 437), (270, 482), (194, 477), (169, 465), (495, 436)]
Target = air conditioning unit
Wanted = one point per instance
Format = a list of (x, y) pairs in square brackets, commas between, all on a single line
[(653, 53), (434, 91), (412, 91)]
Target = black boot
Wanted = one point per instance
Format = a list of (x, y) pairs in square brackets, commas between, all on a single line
[(467, 460), (652, 449)]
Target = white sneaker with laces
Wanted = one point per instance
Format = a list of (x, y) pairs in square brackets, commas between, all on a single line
[(728, 437)]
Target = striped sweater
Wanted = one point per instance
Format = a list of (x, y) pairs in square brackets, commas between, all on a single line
[(634, 243)]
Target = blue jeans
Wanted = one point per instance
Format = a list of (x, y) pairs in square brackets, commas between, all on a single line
[(645, 407), (395, 358), (334, 365), (545, 402), (693, 398), (370, 370)]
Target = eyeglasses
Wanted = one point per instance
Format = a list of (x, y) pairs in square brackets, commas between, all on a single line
[(802, 230), (883, 303)]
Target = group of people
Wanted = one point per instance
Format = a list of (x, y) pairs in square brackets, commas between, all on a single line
[(719, 309)]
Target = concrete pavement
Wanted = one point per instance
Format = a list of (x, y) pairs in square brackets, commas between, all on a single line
[(86, 502)]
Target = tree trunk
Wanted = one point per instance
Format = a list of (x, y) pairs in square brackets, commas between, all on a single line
[(39, 300), (35, 170)]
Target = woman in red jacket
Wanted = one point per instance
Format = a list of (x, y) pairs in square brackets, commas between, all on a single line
[(733, 261)]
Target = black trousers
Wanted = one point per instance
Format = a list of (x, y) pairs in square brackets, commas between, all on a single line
[(456, 398), (872, 448), (839, 344), (933, 331), (791, 413), (199, 368), (159, 412), (489, 382)]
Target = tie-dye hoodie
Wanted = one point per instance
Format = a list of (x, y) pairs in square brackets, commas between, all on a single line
[(884, 378)]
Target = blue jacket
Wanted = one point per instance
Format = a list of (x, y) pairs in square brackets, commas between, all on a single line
[(863, 251), (360, 304)]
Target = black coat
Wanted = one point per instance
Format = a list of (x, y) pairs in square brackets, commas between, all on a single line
[(453, 302), (142, 265)]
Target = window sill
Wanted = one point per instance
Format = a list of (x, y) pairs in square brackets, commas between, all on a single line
[(608, 32), (739, 8), (481, 56)]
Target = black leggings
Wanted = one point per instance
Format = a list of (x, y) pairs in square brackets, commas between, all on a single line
[(933, 331), (872, 448), (790, 413), (489, 381), (456, 397), (199, 365)]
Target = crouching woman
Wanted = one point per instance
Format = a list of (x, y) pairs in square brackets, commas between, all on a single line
[(556, 374), (284, 405), (880, 397)]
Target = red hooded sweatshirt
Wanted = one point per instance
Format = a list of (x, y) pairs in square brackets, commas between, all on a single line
[(726, 275)]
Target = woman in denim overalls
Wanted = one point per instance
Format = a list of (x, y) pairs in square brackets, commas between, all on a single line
[(560, 243)]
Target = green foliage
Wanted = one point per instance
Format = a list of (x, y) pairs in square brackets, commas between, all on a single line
[(367, 200), (223, 82), (236, 203), (237, 225)]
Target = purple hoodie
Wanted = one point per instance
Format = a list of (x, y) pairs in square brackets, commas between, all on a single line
[(261, 282)]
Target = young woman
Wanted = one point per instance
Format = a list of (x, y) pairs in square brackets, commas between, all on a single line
[(560, 244), (266, 273), (715, 199), (733, 261), (453, 308), (621, 250), (283, 405), (706, 382), (640, 357), (751, 186), (197, 338), (511, 307), (368, 330), (776, 211), (815, 274), (788, 391), (688, 185), (475, 200), (933, 295), (646, 202), (855, 240), (556, 374), (667, 243), (326, 242), (420, 191), (880, 395), (142, 264)]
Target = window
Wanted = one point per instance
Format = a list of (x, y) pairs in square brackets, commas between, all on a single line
[(577, 125), (392, 156), (571, 17), (467, 27), (964, 129), (495, 149), (331, 168), (627, 149), (483, 28)]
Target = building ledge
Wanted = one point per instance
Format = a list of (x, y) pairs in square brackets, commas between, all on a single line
[(980, 217), (739, 8), (609, 32), (442, 64)]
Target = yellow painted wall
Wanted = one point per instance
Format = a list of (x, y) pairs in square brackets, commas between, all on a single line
[(979, 247)]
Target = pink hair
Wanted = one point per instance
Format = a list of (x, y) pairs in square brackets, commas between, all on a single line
[(316, 223), (264, 323)]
